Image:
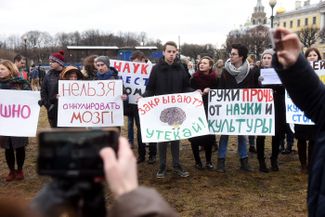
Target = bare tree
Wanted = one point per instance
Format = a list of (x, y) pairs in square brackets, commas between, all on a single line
[(256, 39), (308, 36)]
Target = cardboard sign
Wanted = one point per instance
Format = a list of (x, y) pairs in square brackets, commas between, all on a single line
[(19, 112), (90, 103), (241, 112), (135, 77), (172, 117)]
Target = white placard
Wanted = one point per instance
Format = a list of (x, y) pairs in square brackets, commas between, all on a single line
[(270, 77), (19, 112), (172, 117), (90, 103), (241, 112), (135, 77)]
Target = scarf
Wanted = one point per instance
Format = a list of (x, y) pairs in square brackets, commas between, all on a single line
[(239, 73), (104, 76), (204, 81)]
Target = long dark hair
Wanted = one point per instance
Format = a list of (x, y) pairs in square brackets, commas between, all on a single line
[(313, 49)]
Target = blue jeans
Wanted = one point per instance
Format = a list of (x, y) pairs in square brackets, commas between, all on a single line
[(223, 143), (130, 129)]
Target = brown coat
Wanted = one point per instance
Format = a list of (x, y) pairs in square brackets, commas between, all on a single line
[(142, 202)]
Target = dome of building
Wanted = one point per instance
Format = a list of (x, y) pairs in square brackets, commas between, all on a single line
[(280, 10)]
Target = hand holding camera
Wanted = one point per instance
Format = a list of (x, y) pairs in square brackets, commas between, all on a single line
[(120, 169)]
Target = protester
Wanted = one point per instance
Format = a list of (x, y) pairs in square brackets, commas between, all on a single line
[(168, 76), (305, 133), (139, 56), (308, 93), (266, 62), (218, 67), (71, 73), (236, 74), (106, 72), (49, 88), (14, 146), (20, 62), (204, 79), (136, 56), (89, 67), (34, 78)]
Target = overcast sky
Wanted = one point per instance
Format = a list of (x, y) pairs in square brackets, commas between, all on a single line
[(195, 21)]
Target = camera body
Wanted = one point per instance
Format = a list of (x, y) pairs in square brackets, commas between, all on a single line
[(74, 153)]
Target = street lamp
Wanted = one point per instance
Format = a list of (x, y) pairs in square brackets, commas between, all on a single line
[(272, 4)]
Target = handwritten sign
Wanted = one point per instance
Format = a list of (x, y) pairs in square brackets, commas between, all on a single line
[(135, 77), (90, 103), (293, 114), (241, 112), (172, 117), (19, 112)]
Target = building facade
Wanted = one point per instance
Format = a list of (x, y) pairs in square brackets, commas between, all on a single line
[(304, 16)]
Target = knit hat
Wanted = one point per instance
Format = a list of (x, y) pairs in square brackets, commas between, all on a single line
[(69, 69), (58, 57), (268, 51), (103, 59)]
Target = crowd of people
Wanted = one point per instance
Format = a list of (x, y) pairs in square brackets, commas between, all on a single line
[(169, 76)]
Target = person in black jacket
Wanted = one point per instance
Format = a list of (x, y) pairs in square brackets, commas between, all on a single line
[(308, 93), (168, 76), (49, 90), (204, 79), (280, 120)]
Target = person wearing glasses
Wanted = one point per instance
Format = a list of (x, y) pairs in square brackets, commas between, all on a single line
[(236, 74)]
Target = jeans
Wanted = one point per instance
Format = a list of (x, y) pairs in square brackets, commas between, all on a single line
[(242, 149), (162, 147), (251, 141), (130, 129)]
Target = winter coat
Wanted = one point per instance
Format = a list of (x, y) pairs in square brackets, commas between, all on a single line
[(15, 83), (308, 93), (227, 81), (49, 89), (140, 203), (167, 79), (202, 81)]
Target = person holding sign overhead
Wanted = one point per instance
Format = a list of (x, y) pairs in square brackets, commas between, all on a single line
[(236, 74), (168, 76), (14, 146), (204, 79)]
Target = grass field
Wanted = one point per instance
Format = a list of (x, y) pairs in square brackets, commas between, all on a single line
[(204, 193)]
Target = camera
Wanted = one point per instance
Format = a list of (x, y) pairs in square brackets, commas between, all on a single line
[(71, 158), (74, 153)]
